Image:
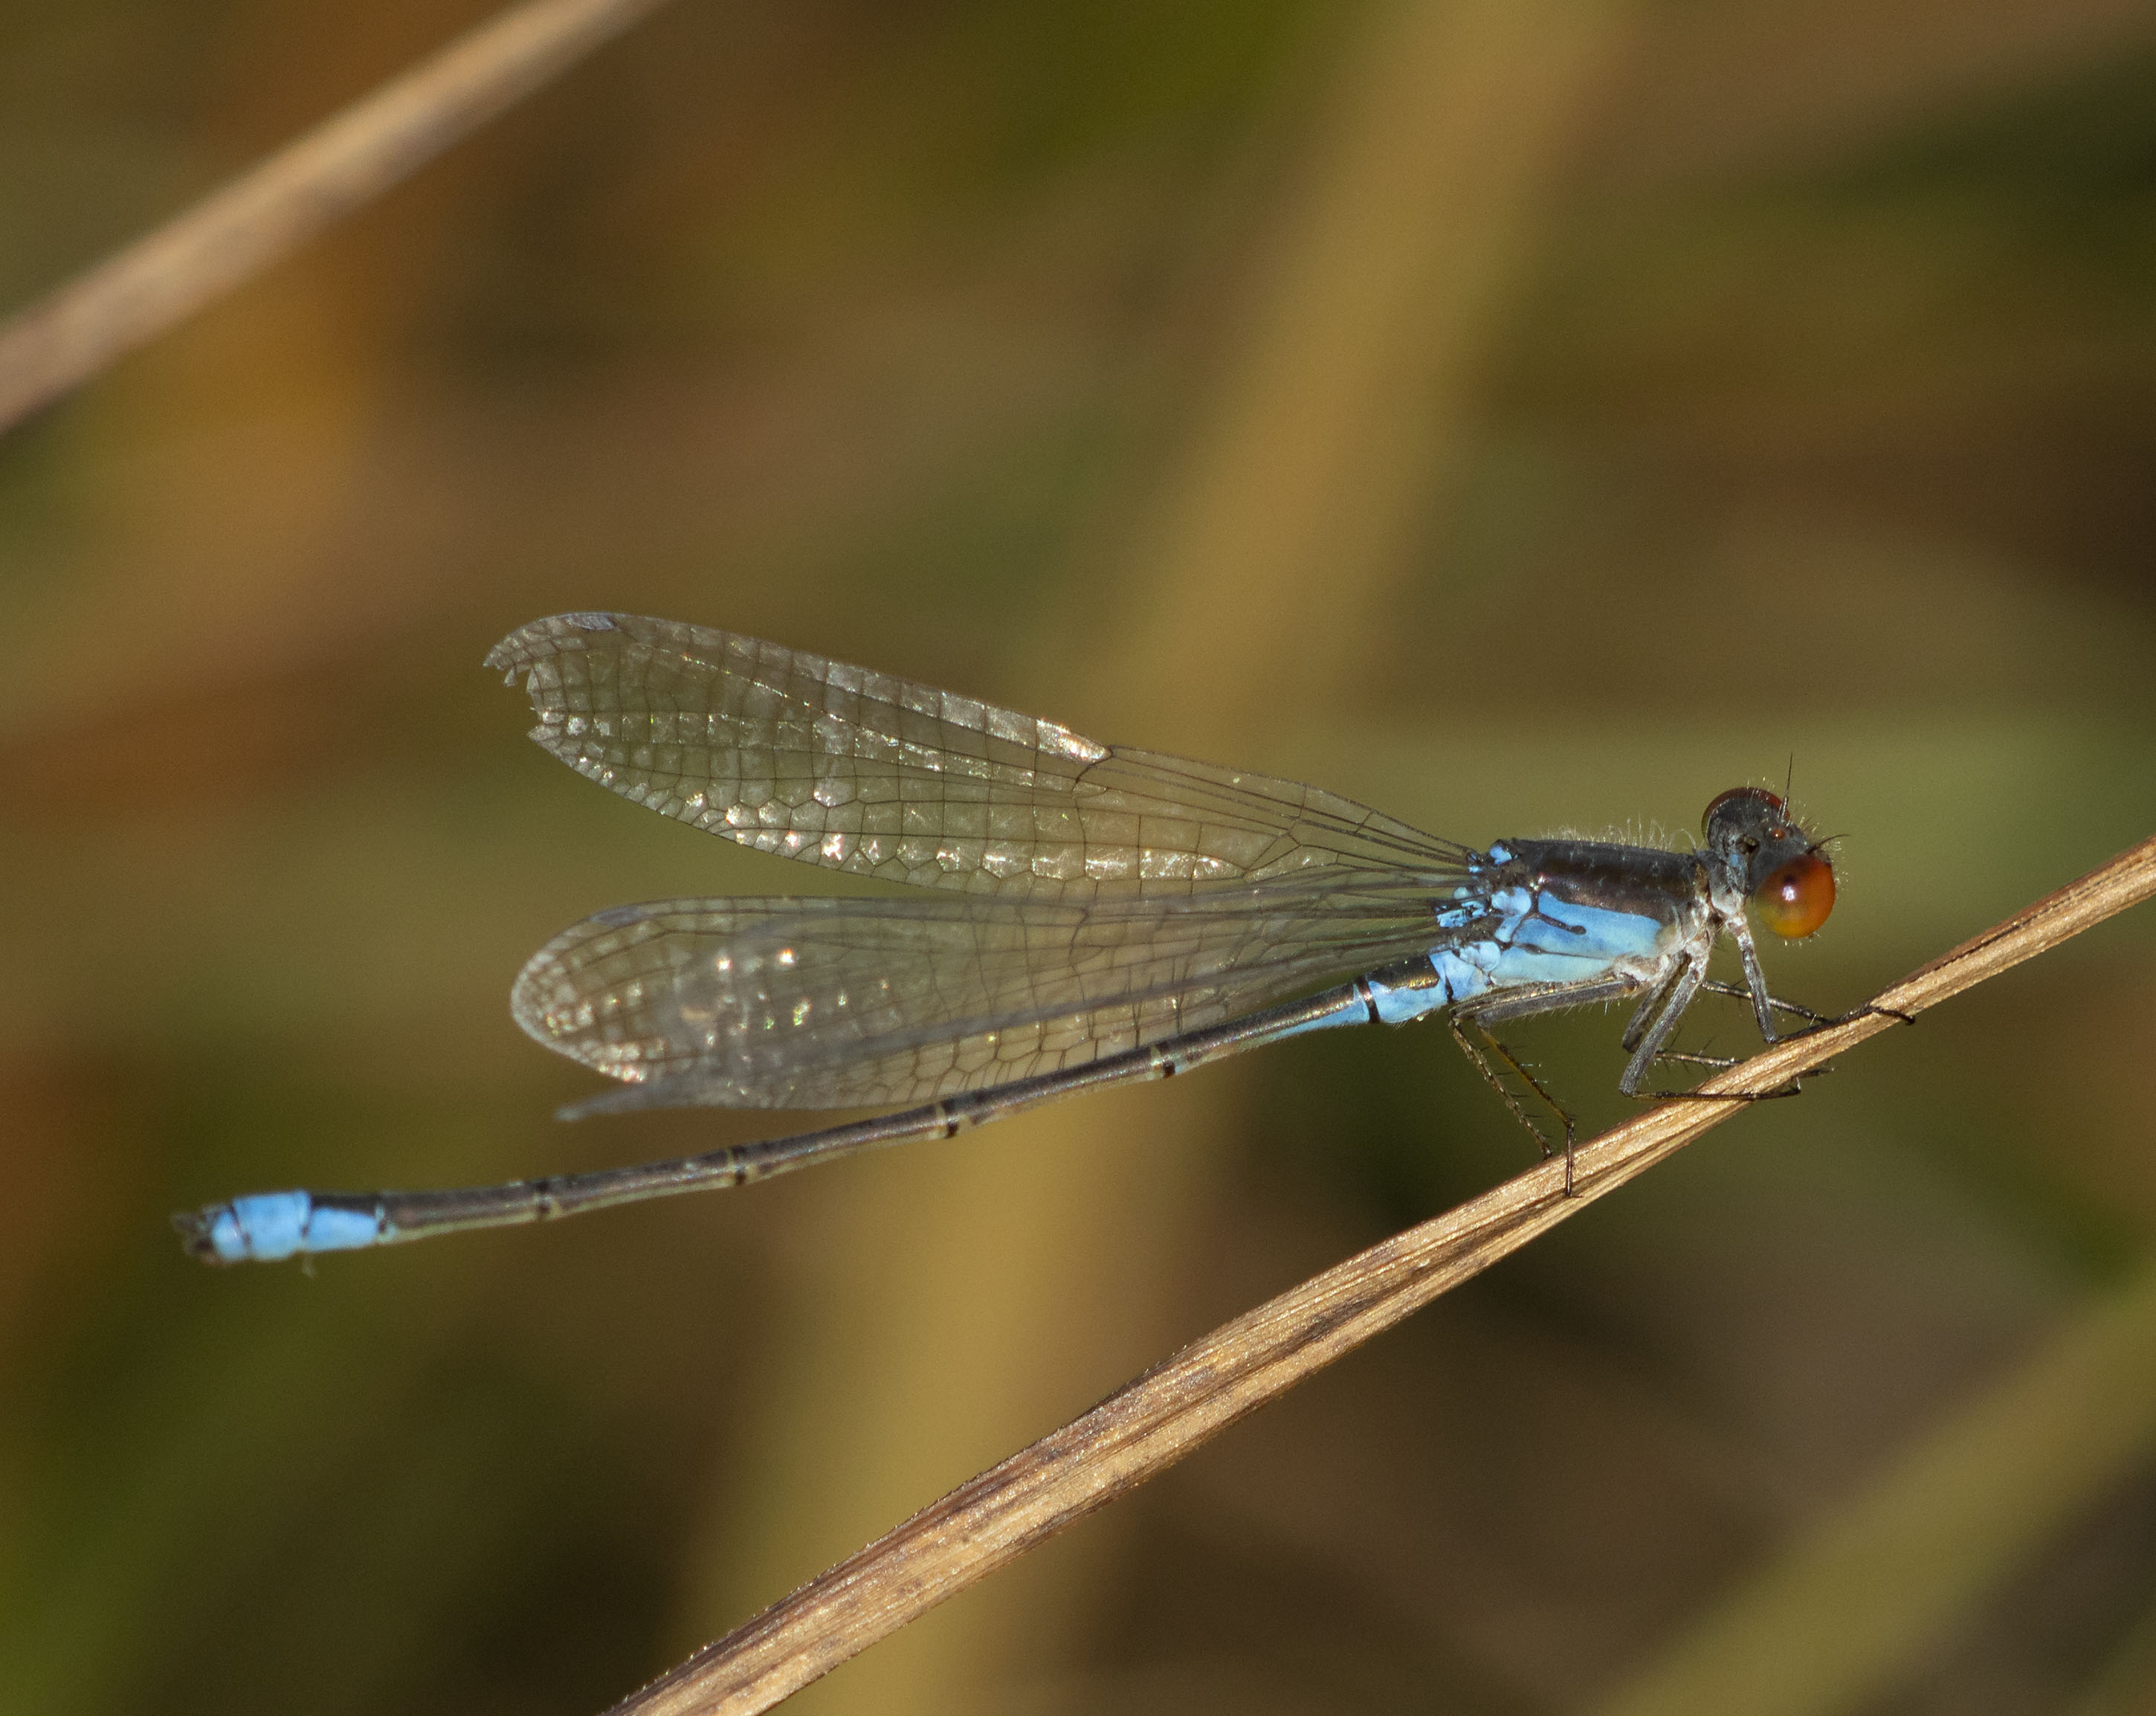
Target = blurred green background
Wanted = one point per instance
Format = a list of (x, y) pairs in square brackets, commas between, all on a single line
[(1521, 414)]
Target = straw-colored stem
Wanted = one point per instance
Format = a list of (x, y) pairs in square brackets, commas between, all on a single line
[(138, 292), (1155, 1421)]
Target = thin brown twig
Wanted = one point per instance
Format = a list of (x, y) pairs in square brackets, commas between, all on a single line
[(1155, 1421), (138, 292)]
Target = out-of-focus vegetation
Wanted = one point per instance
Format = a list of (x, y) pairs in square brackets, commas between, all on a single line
[(1518, 415)]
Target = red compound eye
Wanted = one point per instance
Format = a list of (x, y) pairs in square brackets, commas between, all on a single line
[(1795, 900)]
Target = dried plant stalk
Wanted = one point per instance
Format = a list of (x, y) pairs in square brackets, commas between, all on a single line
[(1155, 1421), (138, 292)]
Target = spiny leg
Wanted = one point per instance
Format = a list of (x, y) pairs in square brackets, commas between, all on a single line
[(1482, 1011), (1649, 1034), (1814, 1022), (1714, 987), (1482, 1066), (1722, 1063), (1819, 1021), (1718, 1063)]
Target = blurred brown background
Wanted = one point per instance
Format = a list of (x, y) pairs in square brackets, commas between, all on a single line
[(1517, 413)]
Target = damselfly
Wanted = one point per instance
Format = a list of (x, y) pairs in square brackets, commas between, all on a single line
[(1107, 914)]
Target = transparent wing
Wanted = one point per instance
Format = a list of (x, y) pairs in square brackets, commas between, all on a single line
[(824, 1003), (877, 776)]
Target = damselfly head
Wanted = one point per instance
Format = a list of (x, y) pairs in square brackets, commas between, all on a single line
[(1779, 866)]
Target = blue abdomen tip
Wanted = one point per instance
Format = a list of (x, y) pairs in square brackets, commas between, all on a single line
[(270, 1226), (264, 1228)]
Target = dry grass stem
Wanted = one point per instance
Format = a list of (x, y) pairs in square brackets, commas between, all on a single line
[(1155, 1421), (135, 295)]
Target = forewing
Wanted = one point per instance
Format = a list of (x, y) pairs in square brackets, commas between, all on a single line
[(824, 1003), (863, 773)]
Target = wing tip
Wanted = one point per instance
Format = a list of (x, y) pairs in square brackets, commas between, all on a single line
[(537, 639)]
